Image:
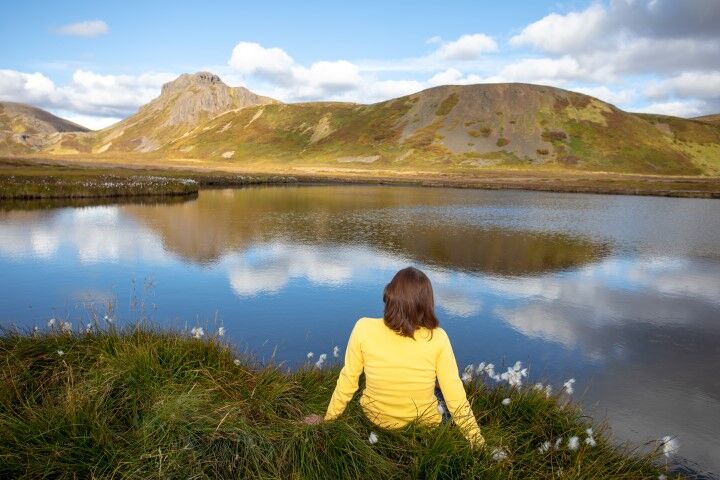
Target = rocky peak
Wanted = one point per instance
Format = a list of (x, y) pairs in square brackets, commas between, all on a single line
[(194, 96), (198, 79)]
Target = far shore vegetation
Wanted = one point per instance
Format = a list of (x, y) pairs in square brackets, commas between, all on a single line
[(100, 401), (58, 177)]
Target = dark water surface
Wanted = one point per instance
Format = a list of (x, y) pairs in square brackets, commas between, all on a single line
[(621, 293)]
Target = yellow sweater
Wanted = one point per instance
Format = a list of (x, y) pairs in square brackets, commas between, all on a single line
[(400, 378)]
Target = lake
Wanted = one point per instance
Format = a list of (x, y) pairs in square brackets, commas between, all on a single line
[(621, 293)]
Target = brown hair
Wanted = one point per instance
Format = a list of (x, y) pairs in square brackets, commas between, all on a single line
[(409, 302)]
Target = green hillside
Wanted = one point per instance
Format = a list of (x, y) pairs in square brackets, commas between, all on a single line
[(454, 129)]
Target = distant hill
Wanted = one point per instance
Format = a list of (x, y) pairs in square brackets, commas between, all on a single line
[(24, 128), (714, 119), (454, 128)]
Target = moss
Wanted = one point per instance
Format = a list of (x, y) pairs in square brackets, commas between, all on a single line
[(447, 105)]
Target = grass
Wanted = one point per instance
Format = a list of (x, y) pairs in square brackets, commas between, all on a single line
[(27, 180), (142, 403)]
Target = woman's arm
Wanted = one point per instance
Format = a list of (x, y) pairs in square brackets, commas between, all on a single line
[(453, 391), (347, 383)]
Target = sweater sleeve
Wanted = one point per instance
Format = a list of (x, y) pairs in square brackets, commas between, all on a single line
[(454, 393), (347, 383)]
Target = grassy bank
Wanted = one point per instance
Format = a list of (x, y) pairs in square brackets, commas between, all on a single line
[(139, 403), (33, 180), (209, 174)]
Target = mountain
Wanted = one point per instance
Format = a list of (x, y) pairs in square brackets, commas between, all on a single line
[(460, 128), (24, 128), (183, 104), (454, 128)]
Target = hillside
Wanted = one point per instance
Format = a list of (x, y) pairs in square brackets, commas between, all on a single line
[(183, 104), (24, 128), (453, 129), (714, 119)]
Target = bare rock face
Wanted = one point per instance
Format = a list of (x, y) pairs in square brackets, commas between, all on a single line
[(200, 96)]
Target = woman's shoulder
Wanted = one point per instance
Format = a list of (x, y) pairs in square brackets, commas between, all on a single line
[(369, 322)]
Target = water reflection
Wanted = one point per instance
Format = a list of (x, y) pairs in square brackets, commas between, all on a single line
[(401, 221), (574, 285)]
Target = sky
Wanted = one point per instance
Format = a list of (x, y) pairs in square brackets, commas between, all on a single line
[(98, 62)]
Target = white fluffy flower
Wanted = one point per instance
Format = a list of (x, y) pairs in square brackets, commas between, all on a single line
[(237, 361), (590, 441), (65, 327), (480, 369), (336, 351), (51, 322), (545, 447), (506, 401), (499, 454), (670, 445), (466, 377), (88, 328), (558, 442), (310, 355), (221, 331), (573, 443), (517, 366), (197, 332), (662, 476), (321, 360), (108, 319), (569, 386), (60, 353), (372, 438)]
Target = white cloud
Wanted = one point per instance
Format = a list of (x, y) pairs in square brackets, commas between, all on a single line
[(90, 28), (678, 108), (467, 47), (453, 76), (94, 98), (433, 40), (254, 59), (617, 97), (689, 84), (562, 33)]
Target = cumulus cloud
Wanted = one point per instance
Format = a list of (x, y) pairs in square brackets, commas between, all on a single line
[(89, 28), (453, 76), (467, 47), (89, 98), (564, 33)]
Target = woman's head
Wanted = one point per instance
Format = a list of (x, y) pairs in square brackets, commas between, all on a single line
[(409, 302)]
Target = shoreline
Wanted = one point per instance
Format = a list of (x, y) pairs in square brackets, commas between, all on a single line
[(220, 174)]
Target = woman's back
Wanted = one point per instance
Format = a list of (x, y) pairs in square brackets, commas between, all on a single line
[(400, 375)]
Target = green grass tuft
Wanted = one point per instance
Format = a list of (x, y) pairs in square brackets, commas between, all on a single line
[(141, 403)]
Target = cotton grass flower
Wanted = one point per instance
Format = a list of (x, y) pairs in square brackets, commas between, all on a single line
[(590, 439), (499, 454), (108, 319), (569, 386), (51, 323), (336, 351), (237, 362), (545, 447), (662, 476), (310, 355), (466, 377), (60, 353), (372, 438), (65, 327), (221, 331), (88, 328), (506, 401), (670, 445), (197, 332), (558, 442), (573, 443), (321, 360)]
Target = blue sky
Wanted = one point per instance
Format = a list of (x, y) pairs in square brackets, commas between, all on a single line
[(97, 62)]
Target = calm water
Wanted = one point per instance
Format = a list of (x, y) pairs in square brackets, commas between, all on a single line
[(621, 293)]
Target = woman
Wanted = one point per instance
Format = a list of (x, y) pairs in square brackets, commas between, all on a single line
[(402, 355)]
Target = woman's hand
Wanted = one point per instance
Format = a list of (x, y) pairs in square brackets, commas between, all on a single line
[(313, 419)]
